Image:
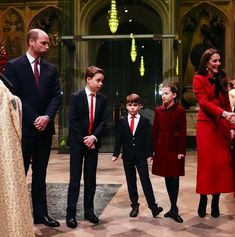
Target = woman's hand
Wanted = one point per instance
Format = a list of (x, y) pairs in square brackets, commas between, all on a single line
[(232, 132), (230, 117), (180, 156)]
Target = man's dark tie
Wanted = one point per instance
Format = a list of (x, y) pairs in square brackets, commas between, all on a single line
[(91, 111), (132, 123), (36, 72)]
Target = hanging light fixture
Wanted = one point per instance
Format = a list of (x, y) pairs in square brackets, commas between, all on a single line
[(177, 66), (133, 52), (142, 69), (113, 17)]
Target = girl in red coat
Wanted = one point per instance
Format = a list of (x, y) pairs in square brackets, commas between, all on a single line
[(169, 138), (215, 172)]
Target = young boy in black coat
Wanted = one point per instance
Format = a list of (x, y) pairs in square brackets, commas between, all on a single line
[(134, 136)]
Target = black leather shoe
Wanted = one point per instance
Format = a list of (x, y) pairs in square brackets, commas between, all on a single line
[(177, 218), (202, 206), (92, 218), (167, 214), (134, 212), (71, 222), (156, 210), (48, 221)]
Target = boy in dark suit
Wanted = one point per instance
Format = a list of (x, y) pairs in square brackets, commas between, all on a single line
[(86, 125), (134, 136)]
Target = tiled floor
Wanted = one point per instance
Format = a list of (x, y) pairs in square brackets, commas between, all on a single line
[(115, 220)]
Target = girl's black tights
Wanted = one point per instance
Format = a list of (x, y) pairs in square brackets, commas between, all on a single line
[(172, 186)]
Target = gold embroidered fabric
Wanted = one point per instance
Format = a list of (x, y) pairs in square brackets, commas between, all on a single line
[(15, 211)]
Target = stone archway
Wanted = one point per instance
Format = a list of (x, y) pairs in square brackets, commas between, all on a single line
[(48, 20), (202, 27), (13, 30), (163, 9)]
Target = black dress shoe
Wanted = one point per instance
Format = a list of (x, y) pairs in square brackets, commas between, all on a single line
[(167, 214), (177, 218), (134, 212), (92, 218), (71, 222), (156, 210), (48, 221)]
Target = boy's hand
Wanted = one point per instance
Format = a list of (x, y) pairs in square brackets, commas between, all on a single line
[(89, 141), (114, 158), (149, 159), (180, 156)]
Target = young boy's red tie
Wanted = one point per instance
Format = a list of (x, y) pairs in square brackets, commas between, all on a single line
[(132, 123), (91, 113)]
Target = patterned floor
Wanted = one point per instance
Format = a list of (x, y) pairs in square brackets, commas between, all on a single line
[(113, 206), (57, 199)]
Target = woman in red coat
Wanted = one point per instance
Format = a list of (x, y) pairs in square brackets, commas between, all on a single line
[(215, 173), (169, 136)]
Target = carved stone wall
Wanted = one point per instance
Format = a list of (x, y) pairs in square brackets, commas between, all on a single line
[(203, 24), (17, 17)]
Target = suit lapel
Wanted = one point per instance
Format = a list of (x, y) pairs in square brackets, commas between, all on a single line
[(126, 125), (28, 72), (139, 125), (85, 103), (97, 103), (27, 68), (43, 76)]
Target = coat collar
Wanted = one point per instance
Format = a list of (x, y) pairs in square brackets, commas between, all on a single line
[(173, 107)]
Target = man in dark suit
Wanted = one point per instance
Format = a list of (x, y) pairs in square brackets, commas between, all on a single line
[(86, 125), (36, 83), (134, 136)]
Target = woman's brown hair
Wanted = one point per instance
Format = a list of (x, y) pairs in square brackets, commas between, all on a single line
[(203, 70)]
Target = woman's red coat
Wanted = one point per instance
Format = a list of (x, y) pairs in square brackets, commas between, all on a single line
[(215, 173)]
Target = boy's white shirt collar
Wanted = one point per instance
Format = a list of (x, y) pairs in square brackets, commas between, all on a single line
[(136, 116), (88, 92)]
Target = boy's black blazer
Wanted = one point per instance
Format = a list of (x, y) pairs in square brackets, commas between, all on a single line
[(79, 117), (137, 146)]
